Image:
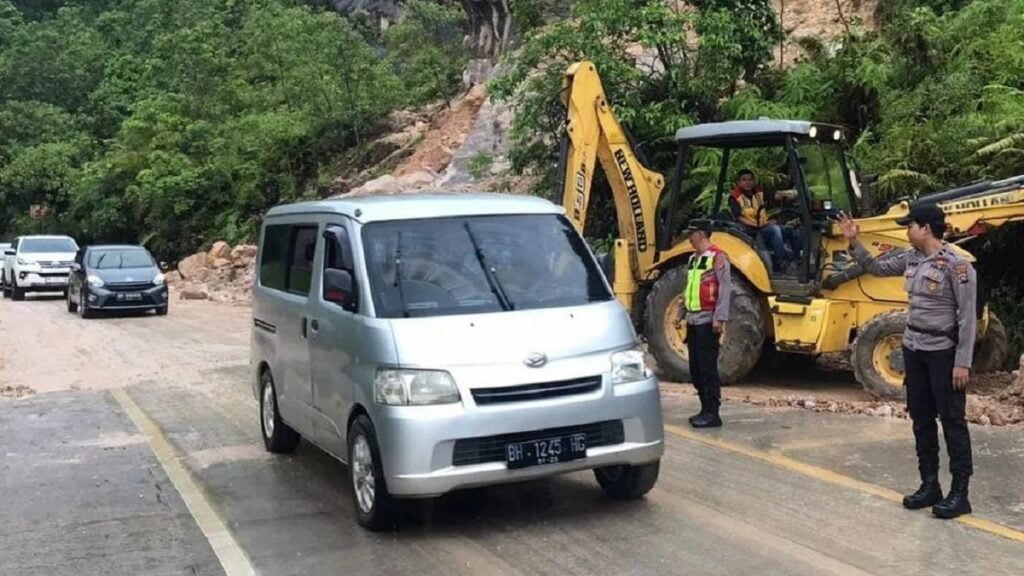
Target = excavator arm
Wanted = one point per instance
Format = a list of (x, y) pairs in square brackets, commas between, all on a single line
[(970, 211), (594, 135)]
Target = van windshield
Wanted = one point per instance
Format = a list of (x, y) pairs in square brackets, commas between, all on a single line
[(479, 264)]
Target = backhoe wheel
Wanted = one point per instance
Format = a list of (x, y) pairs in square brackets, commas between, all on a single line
[(992, 350), (878, 355), (742, 339)]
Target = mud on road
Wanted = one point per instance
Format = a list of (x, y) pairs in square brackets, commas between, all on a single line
[(126, 407)]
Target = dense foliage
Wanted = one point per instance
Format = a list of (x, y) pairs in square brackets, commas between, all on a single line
[(934, 96), (179, 122)]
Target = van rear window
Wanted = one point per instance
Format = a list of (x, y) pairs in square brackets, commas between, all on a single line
[(286, 263), (274, 262)]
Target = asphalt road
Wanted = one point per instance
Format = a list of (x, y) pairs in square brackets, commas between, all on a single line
[(139, 454)]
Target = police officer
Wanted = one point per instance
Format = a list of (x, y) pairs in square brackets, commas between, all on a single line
[(938, 346), (705, 310)]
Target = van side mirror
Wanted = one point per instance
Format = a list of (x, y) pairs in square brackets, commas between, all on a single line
[(339, 288), (9, 252), (163, 266), (76, 267)]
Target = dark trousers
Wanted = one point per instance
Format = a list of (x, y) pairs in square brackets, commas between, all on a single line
[(930, 395), (703, 343)]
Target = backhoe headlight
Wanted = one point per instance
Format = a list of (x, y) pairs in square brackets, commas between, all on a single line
[(629, 366), (414, 388), (95, 281)]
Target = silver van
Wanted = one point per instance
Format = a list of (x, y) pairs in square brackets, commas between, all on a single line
[(438, 342)]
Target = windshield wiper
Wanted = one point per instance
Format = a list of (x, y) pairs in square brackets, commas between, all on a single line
[(398, 275), (100, 261), (489, 272)]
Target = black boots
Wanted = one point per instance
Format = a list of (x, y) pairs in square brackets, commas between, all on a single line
[(956, 504), (709, 419), (927, 495)]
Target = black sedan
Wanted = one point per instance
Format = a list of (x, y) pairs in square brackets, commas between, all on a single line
[(116, 277)]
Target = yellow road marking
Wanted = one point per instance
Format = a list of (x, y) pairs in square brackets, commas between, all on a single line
[(832, 477), (232, 558)]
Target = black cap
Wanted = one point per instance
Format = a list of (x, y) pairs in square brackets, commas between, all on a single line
[(923, 214), (699, 225)]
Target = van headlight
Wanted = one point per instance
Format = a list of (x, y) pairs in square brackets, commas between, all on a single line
[(27, 262), (159, 280), (414, 387), (629, 366), (95, 281)]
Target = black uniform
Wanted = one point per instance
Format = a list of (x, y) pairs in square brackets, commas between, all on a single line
[(940, 335)]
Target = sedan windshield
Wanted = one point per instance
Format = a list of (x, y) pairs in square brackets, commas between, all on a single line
[(479, 264), (44, 245), (120, 258)]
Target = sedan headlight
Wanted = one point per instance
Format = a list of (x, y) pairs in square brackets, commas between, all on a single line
[(95, 281), (414, 387), (629, 366), (158, 280)]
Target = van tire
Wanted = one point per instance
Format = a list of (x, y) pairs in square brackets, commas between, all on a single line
[(17, 294), (162, 310), (281, 438), (628, 482), (72, 306), (378, 514)]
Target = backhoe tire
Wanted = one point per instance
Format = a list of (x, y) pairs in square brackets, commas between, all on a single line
[(991, 351), (742, 341), (878, 355)]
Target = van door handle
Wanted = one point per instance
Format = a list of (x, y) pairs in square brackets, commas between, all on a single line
[(303, 327), (314, 326)]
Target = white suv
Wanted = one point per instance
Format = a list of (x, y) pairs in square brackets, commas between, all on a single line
[(38, 264)]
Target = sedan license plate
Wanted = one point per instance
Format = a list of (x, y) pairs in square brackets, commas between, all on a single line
[(130, 296), (546, 451)]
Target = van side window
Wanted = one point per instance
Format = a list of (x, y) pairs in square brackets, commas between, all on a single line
[(274, 260), (286, 263), (300, 266)]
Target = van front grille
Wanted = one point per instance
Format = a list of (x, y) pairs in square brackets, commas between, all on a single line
[(527, 392), (492, 448)]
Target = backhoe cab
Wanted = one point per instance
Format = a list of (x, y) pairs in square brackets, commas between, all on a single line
[(808, 297)]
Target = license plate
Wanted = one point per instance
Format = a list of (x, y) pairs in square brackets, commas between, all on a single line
[(55, 280), (546, 451), (130, 296)]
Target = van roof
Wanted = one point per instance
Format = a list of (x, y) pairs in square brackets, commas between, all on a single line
[(46, 237), (421, 205)]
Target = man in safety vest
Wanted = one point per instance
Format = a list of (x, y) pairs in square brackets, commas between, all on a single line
[(706, 310), (749, 207)]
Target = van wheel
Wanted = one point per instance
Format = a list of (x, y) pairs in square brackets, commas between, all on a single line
[(278, 437), (72, 307), (369, 490), (628, 482), (162, 310)]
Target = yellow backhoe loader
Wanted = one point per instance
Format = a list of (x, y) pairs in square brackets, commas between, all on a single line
[(819, 302)]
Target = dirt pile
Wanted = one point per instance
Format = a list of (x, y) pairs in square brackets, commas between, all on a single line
[(994, 400), (222, 274), (19, 391)]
